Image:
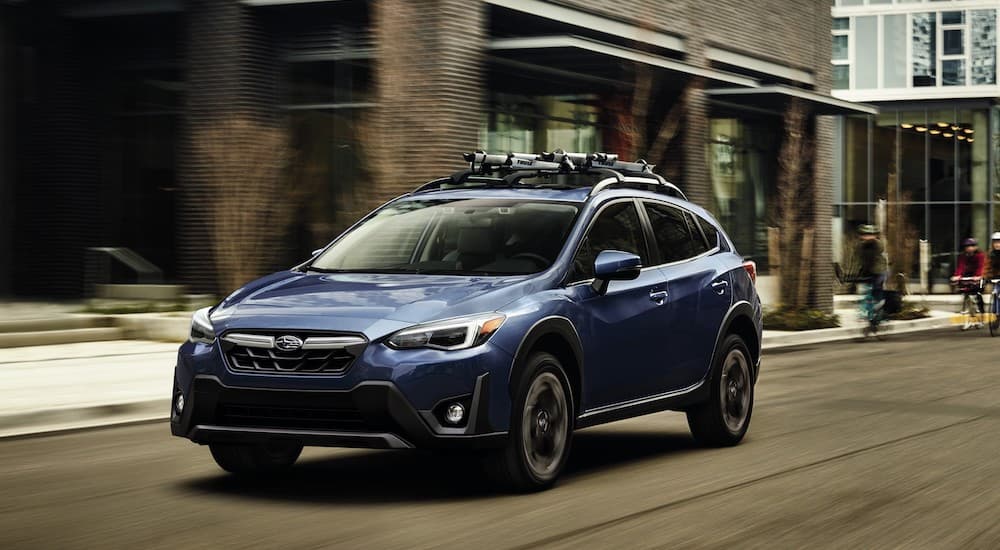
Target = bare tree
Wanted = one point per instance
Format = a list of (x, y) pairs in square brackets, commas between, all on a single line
[(794, 205), (901, 236), (634, 127), (245, 168)]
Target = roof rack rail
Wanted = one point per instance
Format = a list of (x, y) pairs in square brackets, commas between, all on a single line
[(508, 169)]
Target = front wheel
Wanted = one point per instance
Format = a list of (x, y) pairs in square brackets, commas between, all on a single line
[(724, 418), (541, 428), (243, 459), (994, 315)]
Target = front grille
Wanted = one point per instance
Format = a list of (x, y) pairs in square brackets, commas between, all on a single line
[(300, 418), (318, 354)]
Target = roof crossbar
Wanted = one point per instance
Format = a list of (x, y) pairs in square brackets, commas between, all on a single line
[(508, 169)]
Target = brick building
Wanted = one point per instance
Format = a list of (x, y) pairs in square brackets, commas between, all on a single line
[(101, 99)]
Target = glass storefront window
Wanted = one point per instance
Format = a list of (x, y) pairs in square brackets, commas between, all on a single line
[(941, 156), (972, 155), (945, 172), (543, 123), (856, 159), (328, 105), (742, 154), (912, 155), (883, 153), (322, 82)]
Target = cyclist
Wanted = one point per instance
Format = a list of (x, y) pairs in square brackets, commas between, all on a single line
[(871, 255), (994, 275), (971, 265), (994, 259)]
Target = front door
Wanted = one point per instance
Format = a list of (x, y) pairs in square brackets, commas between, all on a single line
[(617, 337)]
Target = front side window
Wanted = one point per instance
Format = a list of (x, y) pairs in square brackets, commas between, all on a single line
[(617, 227), (454, 237), (674, 234)]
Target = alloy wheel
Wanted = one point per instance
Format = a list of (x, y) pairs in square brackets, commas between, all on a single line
[(735, 390), (545, 425)]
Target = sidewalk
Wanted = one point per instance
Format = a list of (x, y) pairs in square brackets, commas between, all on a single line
[(70, 386)]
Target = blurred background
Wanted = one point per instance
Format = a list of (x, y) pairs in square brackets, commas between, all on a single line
[(157, 154), (203, 143), (128, 126)]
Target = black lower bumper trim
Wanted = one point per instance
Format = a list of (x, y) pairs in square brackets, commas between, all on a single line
[(370, 415)]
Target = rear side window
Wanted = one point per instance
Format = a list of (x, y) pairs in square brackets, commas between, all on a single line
[(700, 244), (711, 233), (617, 227), (674, 233)]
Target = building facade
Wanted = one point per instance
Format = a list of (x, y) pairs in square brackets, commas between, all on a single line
[(376, 97), (931, 69)]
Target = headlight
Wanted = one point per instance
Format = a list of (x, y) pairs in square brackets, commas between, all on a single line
[(450, 334), (201, 327)]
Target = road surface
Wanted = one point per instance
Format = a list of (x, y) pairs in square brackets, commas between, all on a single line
[(880, 444)]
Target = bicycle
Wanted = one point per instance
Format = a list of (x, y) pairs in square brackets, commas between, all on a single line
[(871, 311), (970, 287), (995, 307)]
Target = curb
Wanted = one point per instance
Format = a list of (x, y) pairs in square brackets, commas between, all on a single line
[(782, 339), (75, 418)]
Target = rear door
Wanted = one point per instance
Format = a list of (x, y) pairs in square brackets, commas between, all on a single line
[(698, 295)]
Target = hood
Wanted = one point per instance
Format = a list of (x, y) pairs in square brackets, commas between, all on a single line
[(355, 302)]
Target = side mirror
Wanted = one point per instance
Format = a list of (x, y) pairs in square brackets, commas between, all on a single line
[(316, 252), (614, 265)]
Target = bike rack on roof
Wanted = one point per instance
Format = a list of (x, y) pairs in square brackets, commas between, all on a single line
[(508, 169)]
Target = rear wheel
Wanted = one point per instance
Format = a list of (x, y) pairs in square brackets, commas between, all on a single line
[(724, 418), (243, 459), (541, 428)]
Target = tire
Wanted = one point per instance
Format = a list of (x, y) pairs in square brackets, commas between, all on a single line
[(541, 429), (995, 317), (255, 459), (723, 419)]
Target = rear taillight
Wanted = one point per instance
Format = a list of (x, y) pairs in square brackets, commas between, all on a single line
[(751, 267)]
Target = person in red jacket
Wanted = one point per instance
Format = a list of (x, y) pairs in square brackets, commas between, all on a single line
[(971, 263)]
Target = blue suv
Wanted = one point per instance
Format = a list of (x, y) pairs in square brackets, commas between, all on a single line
[(497, 310)]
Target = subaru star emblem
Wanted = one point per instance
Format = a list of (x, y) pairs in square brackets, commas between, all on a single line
[(288, 343)]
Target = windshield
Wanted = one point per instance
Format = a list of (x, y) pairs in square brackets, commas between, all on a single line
[(454, 237)]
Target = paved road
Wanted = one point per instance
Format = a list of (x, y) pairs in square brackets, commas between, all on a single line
[(888, 444)]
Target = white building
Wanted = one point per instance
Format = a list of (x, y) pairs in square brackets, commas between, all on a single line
[(931, 68)]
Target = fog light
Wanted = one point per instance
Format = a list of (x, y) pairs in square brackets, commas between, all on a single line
[(455, 413), (179, 404)]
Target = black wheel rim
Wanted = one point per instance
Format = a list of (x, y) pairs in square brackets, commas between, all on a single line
[(735, 389), (545, 425)]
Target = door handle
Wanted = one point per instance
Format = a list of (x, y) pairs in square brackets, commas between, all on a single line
[(720, 287), (658, 296)]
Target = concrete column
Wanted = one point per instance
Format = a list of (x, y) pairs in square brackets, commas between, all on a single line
[(231, 71), (822, 269)]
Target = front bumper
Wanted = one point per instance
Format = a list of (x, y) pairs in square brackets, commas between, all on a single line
[(372, 414)]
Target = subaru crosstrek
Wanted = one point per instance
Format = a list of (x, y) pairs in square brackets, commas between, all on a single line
[(498, 310)]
